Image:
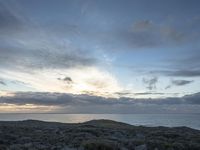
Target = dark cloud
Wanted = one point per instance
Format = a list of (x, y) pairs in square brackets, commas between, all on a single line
[(86, 103), (39, 43), (186, 64), (65, 79), (147, 33), (139, 34), (74, 37), (22, 98), (143, 25), (184, 73), (181, 82), (126, 93), (25, 44), (179, 73), (18, 82), (2, 82), (192, 99), (168, 87), (9, 22), (151, 83), (142, 34), (50, 57), (178, 83), (68, 80), (149, 93)]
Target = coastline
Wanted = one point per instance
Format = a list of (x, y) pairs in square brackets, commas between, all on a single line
[(149, 120), (94, 135)]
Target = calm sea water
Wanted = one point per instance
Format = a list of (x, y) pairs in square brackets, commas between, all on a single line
[(170, 120)]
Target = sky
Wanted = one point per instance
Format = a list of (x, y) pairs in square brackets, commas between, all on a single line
[(100, 56)]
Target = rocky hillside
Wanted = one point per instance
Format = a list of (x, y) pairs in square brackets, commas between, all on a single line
[(94, 135)]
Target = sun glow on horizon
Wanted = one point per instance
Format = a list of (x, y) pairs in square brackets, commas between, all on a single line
[(87, 80)]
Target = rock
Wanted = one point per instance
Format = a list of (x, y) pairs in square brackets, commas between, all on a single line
[(67, 148), (3, 147), (100, 144), (94, 135), (141, 147)]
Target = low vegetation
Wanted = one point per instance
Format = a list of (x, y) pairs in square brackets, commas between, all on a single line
[(94, 135)]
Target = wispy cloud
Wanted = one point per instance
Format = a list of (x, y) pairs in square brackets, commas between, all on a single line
[(179, 83), (68, 80), (72, 80), (182, 73), (9, 22), (151, 82), (31, 46), (2, 83)]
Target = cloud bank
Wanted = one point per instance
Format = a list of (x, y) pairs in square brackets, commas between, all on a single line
[(70, 103)]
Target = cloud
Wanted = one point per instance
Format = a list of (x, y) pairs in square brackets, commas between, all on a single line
[(18, 82), (38, 58), (181, 82), (70, 103), (178, 73), (9, 22), (146, 33), (135, 94), (149, 33), (39, 45), (68, 80), (173, 34), (96, 81), (149, 93), (178, 83), (34, 46), (151, 83), (25, 44), (143, 25), (193, 98), (186, 64), (184, 73), (36, 98), (2, 82)]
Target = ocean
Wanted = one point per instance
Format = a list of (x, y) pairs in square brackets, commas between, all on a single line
[(169, 120)]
